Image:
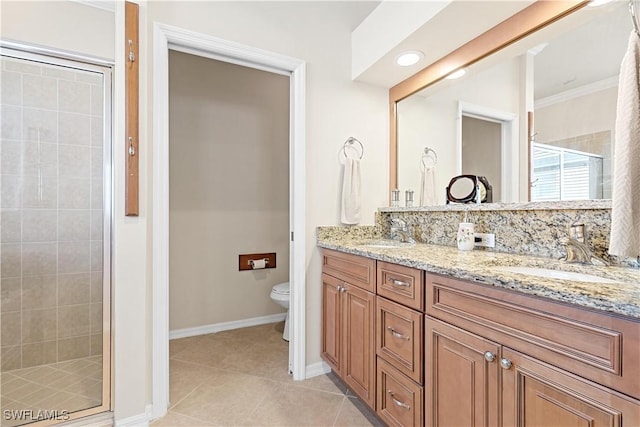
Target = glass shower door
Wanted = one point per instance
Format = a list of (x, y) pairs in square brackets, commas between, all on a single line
[(55, 152)]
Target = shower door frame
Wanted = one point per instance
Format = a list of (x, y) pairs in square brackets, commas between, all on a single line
[(81, 62)]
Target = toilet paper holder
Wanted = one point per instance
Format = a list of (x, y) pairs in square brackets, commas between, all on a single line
[(249, 261), (254, 262)]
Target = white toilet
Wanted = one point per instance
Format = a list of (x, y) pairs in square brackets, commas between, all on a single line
[(280, 295)]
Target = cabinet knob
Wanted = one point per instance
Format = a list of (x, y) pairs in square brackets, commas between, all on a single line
[(505, 363), (398, 402), (338, 288), (489, 356), (343, 289)]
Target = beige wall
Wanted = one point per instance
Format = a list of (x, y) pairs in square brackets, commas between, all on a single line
[(336, 108), (66, 25), (583, 115), (229, 189)]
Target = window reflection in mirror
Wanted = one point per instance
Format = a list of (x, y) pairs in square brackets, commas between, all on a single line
[(566, 74)]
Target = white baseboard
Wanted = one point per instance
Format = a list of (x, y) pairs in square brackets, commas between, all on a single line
[(140, 420), (317, 369), (226, 326)]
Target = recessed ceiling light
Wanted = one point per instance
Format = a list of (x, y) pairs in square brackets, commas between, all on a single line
[(596, 3), (456, 74), (408, 58)]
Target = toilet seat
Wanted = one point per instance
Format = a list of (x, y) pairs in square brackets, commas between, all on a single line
[(280, 295), (281, 289)]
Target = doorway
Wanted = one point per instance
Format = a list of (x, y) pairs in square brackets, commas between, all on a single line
[(166, 38), (482, 151), (487, 146), (229, 193)]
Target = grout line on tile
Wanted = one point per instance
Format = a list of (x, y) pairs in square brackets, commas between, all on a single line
[(339, 393), (335, 419), (255, 409), (182, 415), (173, 405)]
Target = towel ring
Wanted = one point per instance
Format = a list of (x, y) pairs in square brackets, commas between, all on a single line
[(429, 154), (350, 142)]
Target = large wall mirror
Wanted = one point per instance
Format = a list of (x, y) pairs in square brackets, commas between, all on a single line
[(534, 112)]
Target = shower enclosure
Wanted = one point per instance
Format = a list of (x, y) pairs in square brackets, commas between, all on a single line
[(55, 216)]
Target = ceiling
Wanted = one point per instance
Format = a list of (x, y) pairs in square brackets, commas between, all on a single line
[(584, 48), (590, 50), (456, 24)]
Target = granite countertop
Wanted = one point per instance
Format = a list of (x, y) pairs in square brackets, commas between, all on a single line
[(622, 297)]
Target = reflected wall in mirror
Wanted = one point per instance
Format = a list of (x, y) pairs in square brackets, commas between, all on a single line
[(566, 74)]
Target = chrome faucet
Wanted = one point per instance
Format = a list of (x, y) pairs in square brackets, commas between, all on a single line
[(400, 231), (577, 249)]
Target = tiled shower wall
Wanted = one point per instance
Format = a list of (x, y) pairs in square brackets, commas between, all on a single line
[(51, 151)]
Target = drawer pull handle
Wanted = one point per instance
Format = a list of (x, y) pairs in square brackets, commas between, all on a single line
[(397, 334), (489, 356), (397, 402), (397, 282), (505, 363)]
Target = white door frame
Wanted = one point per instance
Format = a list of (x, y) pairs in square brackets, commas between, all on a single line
[(167, 37), (509, 147)]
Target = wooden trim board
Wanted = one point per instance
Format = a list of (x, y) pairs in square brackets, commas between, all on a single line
[(132, 78)]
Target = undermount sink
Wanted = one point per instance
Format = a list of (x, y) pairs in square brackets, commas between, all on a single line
[(556, 274), (385, 244)]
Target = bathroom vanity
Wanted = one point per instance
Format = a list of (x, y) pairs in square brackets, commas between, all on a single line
[(455, 339)]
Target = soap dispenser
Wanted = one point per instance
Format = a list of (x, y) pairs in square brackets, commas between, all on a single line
[(466, 235)]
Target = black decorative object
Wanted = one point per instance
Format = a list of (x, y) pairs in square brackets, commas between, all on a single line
[(469, 189)]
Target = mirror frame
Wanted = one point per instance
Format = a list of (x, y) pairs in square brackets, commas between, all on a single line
[(527, 21)]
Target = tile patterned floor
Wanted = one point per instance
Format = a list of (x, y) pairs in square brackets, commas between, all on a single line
[(66, 386), (239, 378)]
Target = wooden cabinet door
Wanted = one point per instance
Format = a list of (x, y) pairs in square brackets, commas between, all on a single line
[(358, 362), (539, 395), (462, 382), (331, 322)]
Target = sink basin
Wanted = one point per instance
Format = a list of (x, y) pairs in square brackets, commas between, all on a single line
[(385, 244), (557, 274)]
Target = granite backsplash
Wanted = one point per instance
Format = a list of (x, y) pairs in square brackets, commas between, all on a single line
[(520, 228)]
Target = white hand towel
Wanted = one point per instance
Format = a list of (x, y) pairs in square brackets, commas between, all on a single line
[(350, 213), (625, 212), (428, 187)]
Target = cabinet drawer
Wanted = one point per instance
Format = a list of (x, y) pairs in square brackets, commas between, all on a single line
[(399, 400), (401, 284), (354, 269), (399, 337), (585, 342)]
